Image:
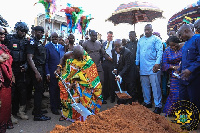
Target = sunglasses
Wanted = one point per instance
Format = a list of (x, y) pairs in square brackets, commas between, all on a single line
[(2, 33)]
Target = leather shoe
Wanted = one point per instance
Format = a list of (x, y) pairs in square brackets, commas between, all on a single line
[(104, 102), (41, 118), (157, 110), (42, 112), (147, 105), (55, 112)]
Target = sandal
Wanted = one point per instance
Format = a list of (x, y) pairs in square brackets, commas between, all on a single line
[(61, 118)]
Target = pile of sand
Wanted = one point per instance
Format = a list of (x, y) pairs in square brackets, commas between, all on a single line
[(122, 118)]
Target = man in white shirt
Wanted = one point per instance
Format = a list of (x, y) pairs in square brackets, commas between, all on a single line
[(108, 88)]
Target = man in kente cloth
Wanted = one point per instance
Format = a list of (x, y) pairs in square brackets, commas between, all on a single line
[(80, 73)]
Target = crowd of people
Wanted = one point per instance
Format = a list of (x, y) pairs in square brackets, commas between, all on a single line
[(91, 68)]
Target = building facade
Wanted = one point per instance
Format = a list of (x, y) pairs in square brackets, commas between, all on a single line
[(57, 24)]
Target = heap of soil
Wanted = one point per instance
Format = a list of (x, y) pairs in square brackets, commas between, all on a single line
[(123, 96), (122, 118)]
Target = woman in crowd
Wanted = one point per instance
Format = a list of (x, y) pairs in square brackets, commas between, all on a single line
[(171, 60), (5, 85)]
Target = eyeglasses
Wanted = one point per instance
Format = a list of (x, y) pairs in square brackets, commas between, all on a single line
[(2, 33)]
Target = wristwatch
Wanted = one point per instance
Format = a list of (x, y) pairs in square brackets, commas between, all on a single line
[(173, 67)]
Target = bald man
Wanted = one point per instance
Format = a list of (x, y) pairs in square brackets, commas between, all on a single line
[(126, 70), (52, 60), (190, 67), (197, 26), (148, 59), (86, 86)]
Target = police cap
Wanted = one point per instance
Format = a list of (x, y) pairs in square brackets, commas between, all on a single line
[(38, 28)]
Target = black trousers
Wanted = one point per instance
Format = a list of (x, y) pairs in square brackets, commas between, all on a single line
[(138, 92), (191, 92), (19, 92), (29, 83), (54, 92), (109, 80), (38, 86)]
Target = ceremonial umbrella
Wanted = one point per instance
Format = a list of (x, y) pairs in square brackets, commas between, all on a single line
[(135, 12), (3, 22), (188, 15)]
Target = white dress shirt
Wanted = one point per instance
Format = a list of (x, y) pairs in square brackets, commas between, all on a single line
[(108, 50)]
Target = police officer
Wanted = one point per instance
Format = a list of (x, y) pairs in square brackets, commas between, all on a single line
[(17, 43), (36, 55)]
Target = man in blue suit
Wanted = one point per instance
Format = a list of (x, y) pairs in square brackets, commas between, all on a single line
[(52, 60)]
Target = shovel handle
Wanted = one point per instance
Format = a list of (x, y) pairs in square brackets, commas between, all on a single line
[(119, 86), (63, 82)]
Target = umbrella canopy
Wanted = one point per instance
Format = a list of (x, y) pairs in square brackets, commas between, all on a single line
[(135, 12), (189, 13), (3, 22)]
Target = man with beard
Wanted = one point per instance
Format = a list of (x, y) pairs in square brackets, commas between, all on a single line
[(95, 49)]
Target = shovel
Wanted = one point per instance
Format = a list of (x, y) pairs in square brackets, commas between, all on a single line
[(77, 106), (122, 94)]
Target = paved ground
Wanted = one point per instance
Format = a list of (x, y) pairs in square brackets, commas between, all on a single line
[(30, 126)]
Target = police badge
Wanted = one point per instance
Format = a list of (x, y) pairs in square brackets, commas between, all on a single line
[(31, 41)]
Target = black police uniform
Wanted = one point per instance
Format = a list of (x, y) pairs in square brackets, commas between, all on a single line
[(17, 47), (38, 51)]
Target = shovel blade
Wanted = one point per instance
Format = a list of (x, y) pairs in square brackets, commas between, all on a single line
[(81, 109), (124, 97)]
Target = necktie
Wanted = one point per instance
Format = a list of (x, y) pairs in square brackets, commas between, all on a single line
[(56, 45), (108, 45)]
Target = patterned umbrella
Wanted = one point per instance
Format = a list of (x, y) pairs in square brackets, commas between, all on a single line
[(135, 12), (188, 14), (3, 22)]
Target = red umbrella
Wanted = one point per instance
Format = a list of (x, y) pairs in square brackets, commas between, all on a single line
[(135, 12)]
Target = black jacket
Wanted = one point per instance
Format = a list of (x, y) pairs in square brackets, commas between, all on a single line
[(126, 67)]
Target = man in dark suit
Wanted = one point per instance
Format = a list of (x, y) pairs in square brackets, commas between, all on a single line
[(132, 46), (52, 60), (125, 69), (108, 88)]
